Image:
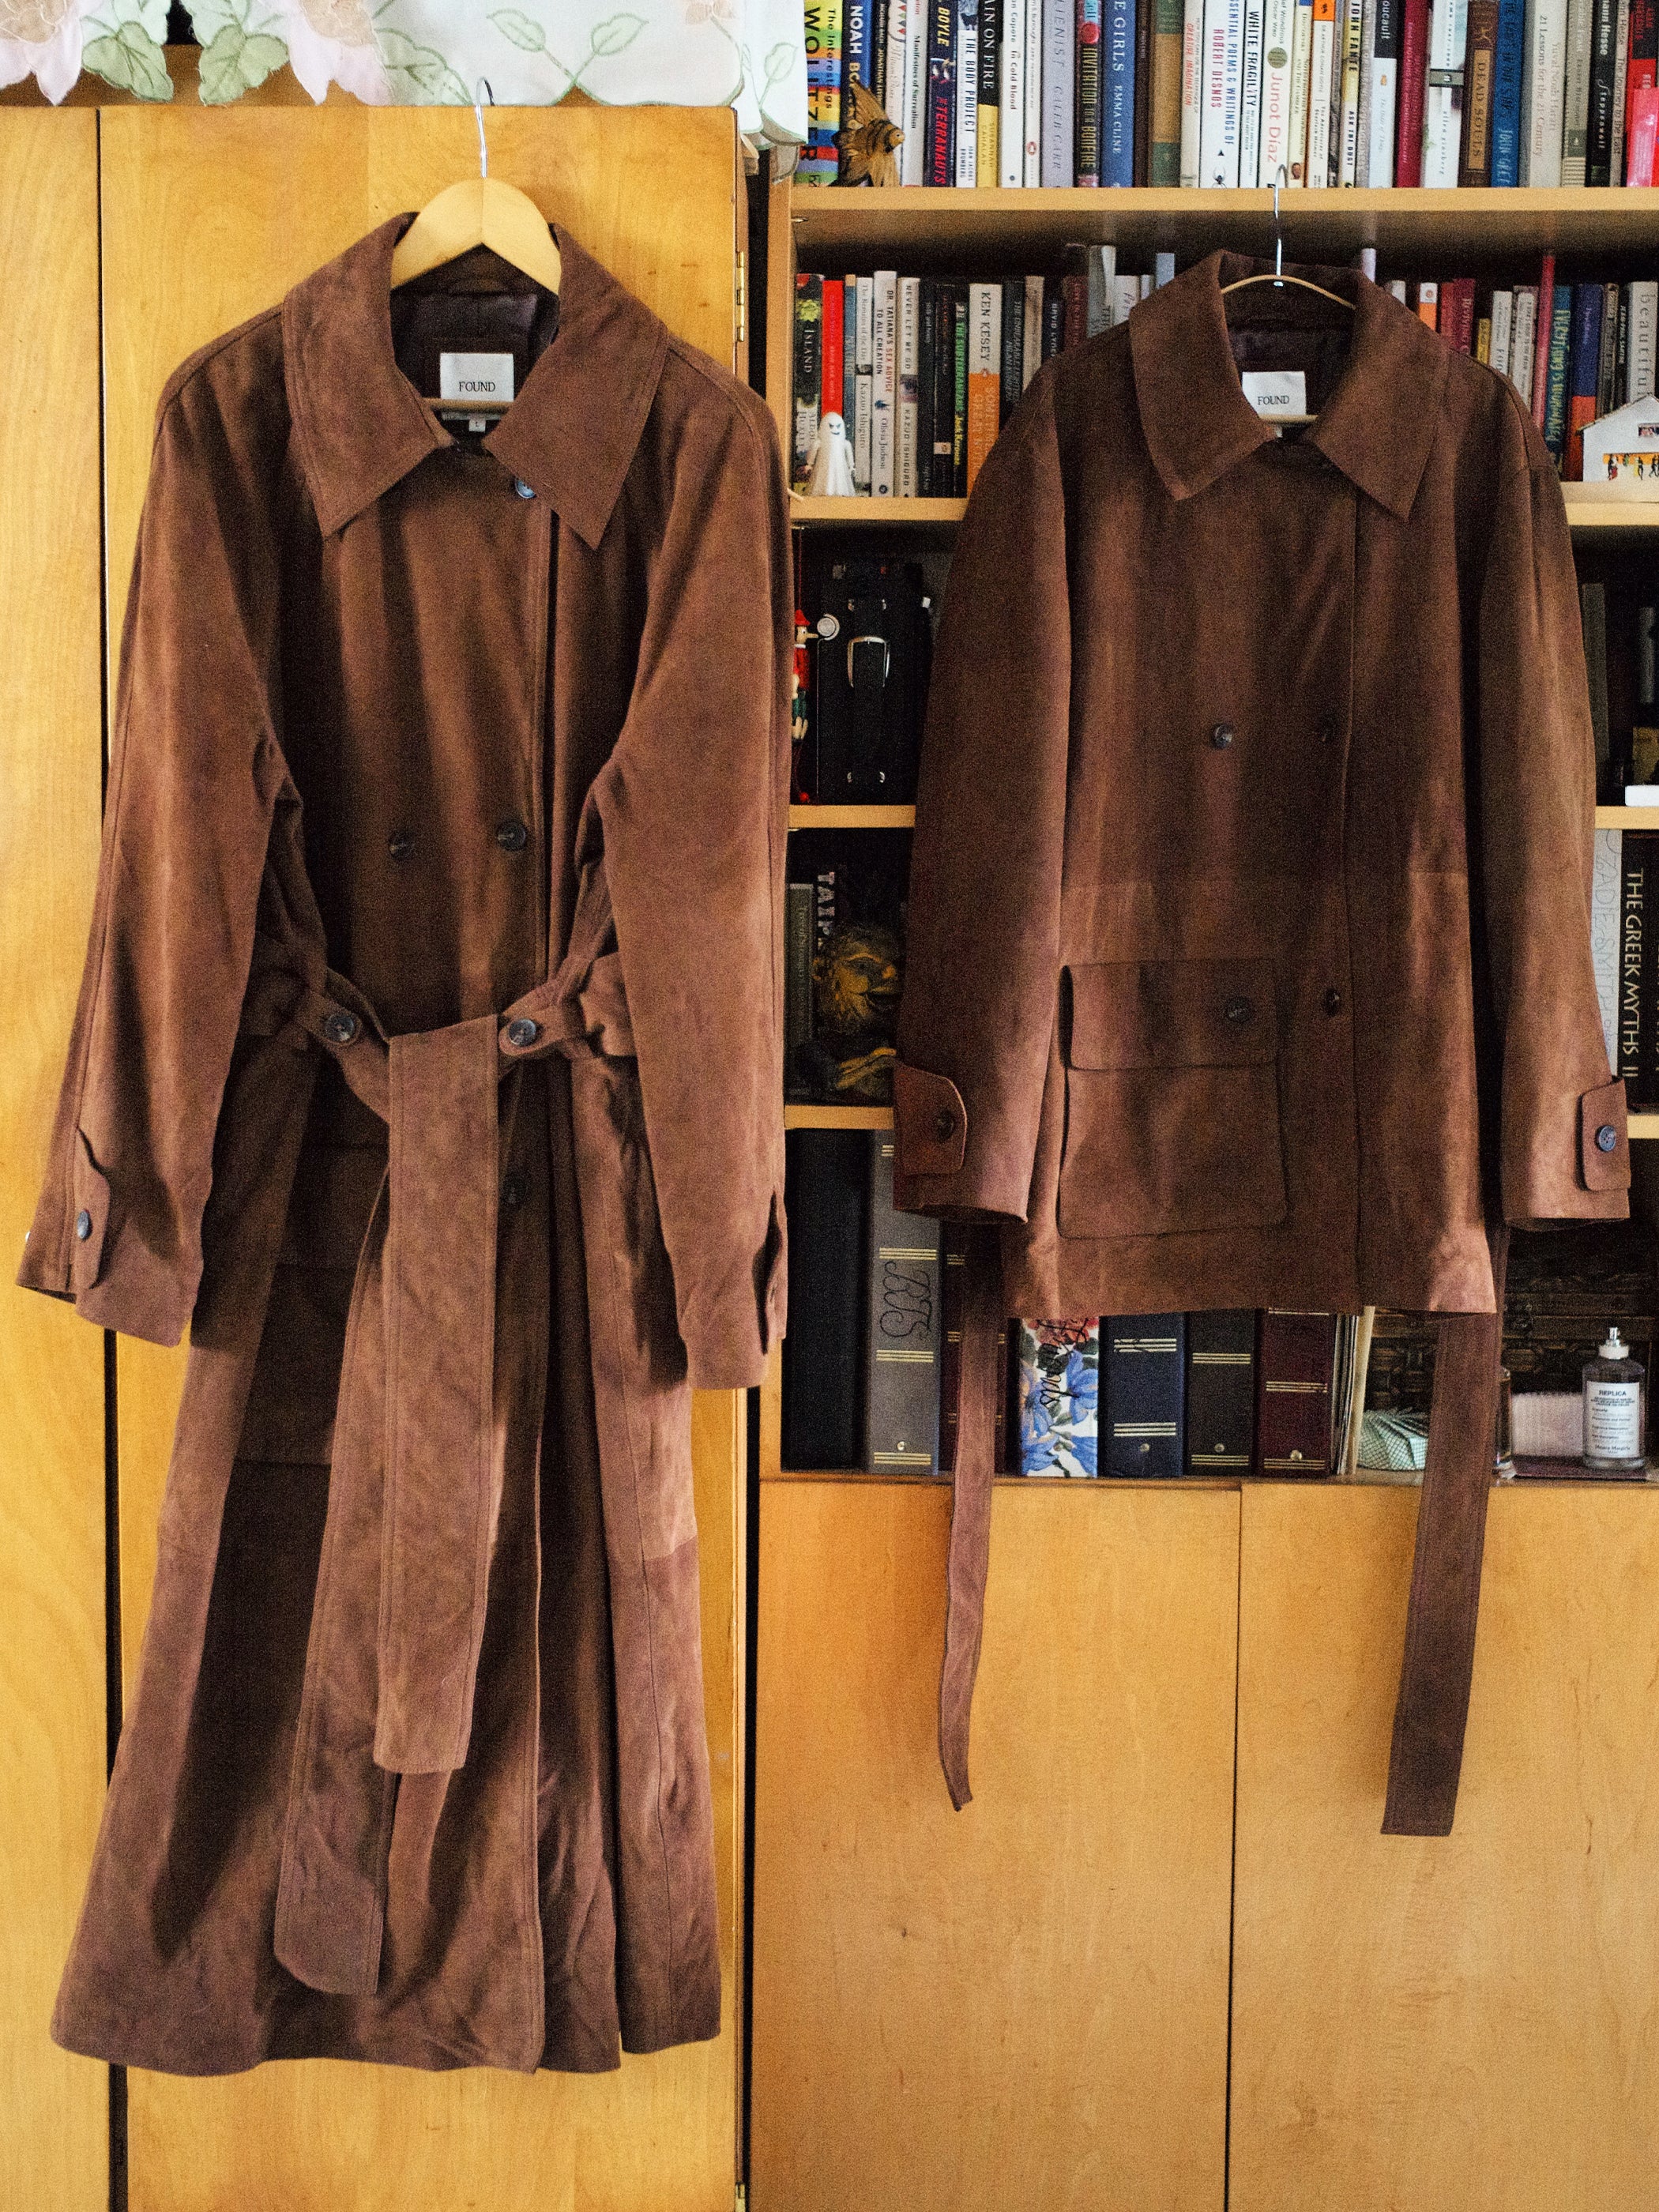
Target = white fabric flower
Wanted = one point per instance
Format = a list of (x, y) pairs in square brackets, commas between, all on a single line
[(41, 39), (332, 42)]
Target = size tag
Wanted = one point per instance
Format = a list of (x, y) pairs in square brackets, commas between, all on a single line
[(486, 376), (1276, 393)]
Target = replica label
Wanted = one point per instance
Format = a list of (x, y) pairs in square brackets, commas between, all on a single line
[(1276, 393), (484, 376)]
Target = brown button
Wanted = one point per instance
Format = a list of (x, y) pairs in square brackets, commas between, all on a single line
[(1333, 1001), (512, 836), (1328, 729), (1222, 736), (1238, 1011), (944, 1125), (522, 1032), (400, 844), (84, 1225), (513, 1193), (1607, 1137), (340, 1029), (524, 491)]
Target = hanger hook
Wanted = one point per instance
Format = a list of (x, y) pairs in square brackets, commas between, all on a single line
[(481, 92), (1278, 235)]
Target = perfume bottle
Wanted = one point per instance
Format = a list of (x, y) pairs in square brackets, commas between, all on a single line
[(1615, 1411)]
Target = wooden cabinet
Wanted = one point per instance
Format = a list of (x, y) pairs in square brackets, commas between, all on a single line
[(1026, 2002)]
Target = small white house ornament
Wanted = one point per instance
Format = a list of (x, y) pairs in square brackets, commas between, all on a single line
[(1621, 453)]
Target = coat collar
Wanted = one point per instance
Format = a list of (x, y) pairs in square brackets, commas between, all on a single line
[(571, 433), (1376, 426)]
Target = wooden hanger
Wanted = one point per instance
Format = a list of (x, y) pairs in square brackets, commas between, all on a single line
[(1280, 280), (479, 211)]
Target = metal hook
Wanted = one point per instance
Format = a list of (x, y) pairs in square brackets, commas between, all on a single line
[(479, 92), (1278, 235)]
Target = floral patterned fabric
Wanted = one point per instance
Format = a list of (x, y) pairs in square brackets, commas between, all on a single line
[(1058, 1397), (746, 54)]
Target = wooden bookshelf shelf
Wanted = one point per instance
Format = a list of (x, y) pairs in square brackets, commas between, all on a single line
[(860, 818), (1609, 514), (1627, 818), (860, 1117), (854, 514)]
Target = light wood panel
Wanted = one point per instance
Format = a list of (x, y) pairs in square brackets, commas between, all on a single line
[(1470, 2022), (208, 217), (53, 2108), (1025, 2002)]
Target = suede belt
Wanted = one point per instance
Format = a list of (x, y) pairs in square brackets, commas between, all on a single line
[(1433, 1702), (415, 1443)]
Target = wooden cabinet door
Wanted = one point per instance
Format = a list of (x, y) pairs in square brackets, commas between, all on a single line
[(208, 217), (1465, 2021), (1025, 2002), (54, 2109)]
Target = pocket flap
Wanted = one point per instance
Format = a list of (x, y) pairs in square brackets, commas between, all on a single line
[(1173, 1013)]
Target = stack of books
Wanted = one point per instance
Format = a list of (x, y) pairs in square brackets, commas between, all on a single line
[(1228, 93)]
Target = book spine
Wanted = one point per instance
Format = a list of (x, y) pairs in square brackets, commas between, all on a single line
[(1118, 92), (1301, 73), (1010, 123), (1168, 19), (1555, 389), (1545, 85), (984, 373), (1192, 78), (941, 92), (1621, 362), (1644, 331), (1140, 169), (1639, 159), (1479, 64), (830, 402), (927, 351), (809, 373), (849, 347), (1503, 330), (1544, 323), (959, 396), (1428, 304), (1057, 1366), (1607, 878), (912, 154), (1413, 67), (1584, 375), (952, 1302), (1032, 351), (1053, 322), (1506, 92), (1059, 93), (1598, 146), (1249, 93), (855, 47), (1362, 172), (825, 1197), (1459, 330), (909, 335), (1274, 147), (1483, 340), (986, 168), (1385, 91), (1296, 1356), (1013, 346), (1642, 58), (864, 363), (902, 1345), (1088, 92), (965, 167), (1523, 345), (1031, 128), (1347, 134), (1443, 99), (1635, 1016), (820, 158), (1620, 70), (1605, 401), (884, 391), (945, 389), (1321, 65), (1145, 1362), (893, 66), (1220, 1411), (1575, 141), (797, 950), (877, 78)]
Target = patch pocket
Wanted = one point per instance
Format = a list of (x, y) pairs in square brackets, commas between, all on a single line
[(1171, 1099)]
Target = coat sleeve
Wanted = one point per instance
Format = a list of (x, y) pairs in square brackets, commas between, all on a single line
[(194, 772), (1563, 1147), (694, 806), (981, 961)]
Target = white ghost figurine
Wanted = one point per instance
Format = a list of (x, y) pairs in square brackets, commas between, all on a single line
[(832, 461)]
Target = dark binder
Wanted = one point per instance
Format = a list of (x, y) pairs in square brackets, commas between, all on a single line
[(1220, 1391), (1296, 1356), (904, 1329), (823, 1382), (1141, 1382)]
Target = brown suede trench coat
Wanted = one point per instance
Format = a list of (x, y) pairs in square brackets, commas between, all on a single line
[(1249, 946), (427, 1066)]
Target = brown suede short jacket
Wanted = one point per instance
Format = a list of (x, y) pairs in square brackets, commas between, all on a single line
[(1249, 954), (427, 1066)]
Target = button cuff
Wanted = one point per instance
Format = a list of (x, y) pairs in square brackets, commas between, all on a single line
[(1604, 1140), (930, 1123)]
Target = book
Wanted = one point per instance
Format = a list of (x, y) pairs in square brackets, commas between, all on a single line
[(832, 375), (1542, 339), (1296, 1355), (1144, 1357), (809, 374), (984, 373), (1592, 620), (1011, 354), (1605, 401), (1636, 1022), (1053, 322), (1361, 171), (1011, 122), (1351, 36), (857, 20), (1642, 58), (883, 387), (1428, 303), (1598, 147), (1543, 92), (1414, 73), (1031, 344), (1219, 129), (1117, 91), (1031, 150), (799, 946), (1480, 70), (1249, 93), (1141, 152), (849, 383), (825, 1175), (1220, 1413), (912, 154), (1088, 92), (1058, 1365), (904, 1334), (1442, 96), (1102, 284), (909, 394), (1168, 35), (927, 383), (877, 39), (941, 91), (1507, 60), (1620, 73), (1575, 127), (1641, 167), (1383, 72), (1557, 382), (1503, 330), (864, 364), (1192, 76), (1523, 345), (1273, 144), (959, 396), (966, 163), (1059, 80), (895, 96), (820, 158), (987, 163), (1301, 70), (1321, 68), (1644, 296)]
